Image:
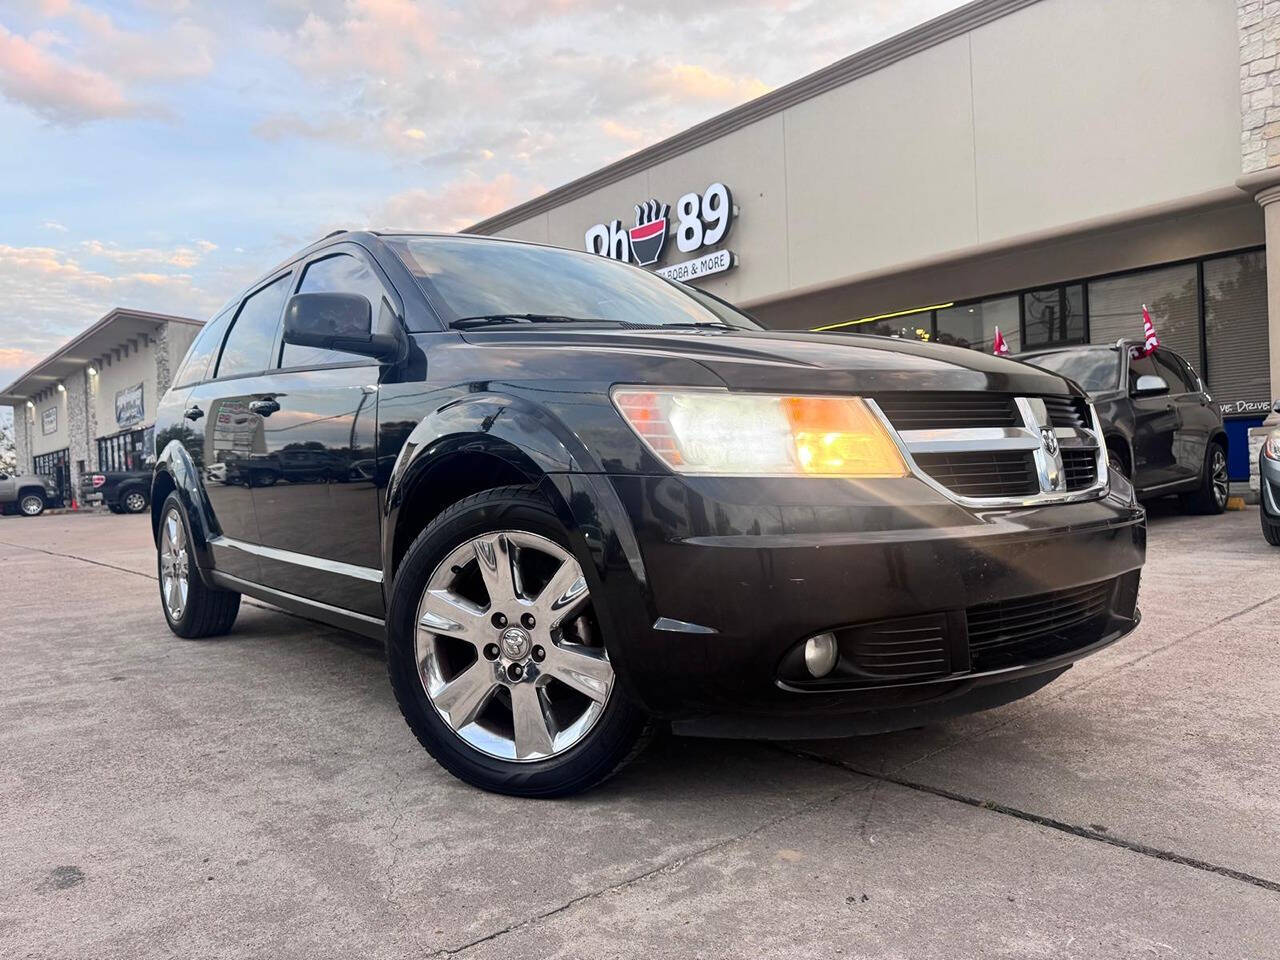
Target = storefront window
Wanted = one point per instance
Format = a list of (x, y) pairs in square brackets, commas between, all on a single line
[(1235, 318), (126, 451), (1171, 296), (55, 466), (1054, 315), (974, 325)]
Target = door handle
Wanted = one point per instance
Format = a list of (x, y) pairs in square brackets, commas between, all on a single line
[(264, 408), (193, 413)]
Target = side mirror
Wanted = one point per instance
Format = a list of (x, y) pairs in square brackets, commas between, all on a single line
[(337, 321), (1149, 385)]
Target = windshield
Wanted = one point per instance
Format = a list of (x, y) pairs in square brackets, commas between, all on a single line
[(469, 277), (1095, 370)]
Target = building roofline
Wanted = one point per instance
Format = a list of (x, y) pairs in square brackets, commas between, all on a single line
[(908, 43), (102, 323)]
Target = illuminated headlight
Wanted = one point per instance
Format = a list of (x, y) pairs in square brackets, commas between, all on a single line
[(1271, 447), (750, 434)]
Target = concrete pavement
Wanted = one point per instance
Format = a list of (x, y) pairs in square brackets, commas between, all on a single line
[(259, 795)]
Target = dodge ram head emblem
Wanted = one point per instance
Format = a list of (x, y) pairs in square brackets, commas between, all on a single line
[(649, 233), (1050, 439)]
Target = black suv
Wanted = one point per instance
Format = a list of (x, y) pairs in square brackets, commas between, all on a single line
[(576, 500), (1163, 430)]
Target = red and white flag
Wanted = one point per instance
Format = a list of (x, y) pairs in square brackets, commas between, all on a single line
[(998, 346), (1150, 340)]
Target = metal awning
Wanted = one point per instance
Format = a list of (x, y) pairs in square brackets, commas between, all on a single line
[(113, 332)]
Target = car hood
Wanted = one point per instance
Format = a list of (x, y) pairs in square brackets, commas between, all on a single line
[(798, 361)]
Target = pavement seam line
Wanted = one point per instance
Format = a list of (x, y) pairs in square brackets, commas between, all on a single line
[(671, 866), (1133, 846)]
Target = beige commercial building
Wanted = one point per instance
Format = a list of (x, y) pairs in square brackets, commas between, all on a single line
[(91, 405), (1044, 166)]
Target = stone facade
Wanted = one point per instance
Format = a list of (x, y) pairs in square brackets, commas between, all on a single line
[(1259, 84), (22, 438), (78, 449), (164, 362)]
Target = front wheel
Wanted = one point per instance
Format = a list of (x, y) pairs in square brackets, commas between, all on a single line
[(31, 504), (191, 607), (1270, 528), (1215, 484), (497, 656)]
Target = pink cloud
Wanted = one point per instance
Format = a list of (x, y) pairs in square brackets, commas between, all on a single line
[(455, 205), (63, 92)]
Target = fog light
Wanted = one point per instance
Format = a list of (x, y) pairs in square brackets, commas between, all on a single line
[(820, 654)]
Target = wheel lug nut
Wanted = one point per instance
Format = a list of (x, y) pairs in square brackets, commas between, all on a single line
[(528, 621), (515, 671), (499, 620), (491, 651), (539, 654)]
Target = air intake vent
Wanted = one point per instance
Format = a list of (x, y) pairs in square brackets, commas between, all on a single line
[(1026, 629), (906, 649), (983, 473), (1069, 412), (948, 411), (1081, 468)]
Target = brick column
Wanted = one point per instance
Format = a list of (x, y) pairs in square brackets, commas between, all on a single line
[(1259, 84), (77, 426), (22, 437)]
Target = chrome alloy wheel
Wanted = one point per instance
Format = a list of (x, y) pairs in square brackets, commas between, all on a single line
[(135, 502), (507, 647), (1219, 478), (174, 565), (31, 505)]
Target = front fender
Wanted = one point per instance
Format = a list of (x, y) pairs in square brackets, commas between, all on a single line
[(524, 438), (175, 466)]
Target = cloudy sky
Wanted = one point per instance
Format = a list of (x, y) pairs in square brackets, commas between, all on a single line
[(161, 154)]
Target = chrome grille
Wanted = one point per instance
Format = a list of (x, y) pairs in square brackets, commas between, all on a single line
[(992, 449)]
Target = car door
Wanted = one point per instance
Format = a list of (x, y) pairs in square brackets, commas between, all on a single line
[(230, 419), (319, 521), (1196, 419), (8, 487), (1155, 427)]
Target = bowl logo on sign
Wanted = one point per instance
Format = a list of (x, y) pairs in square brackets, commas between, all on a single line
[(650, 232)]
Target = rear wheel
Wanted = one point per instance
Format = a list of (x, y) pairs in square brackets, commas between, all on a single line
[(31, 504), (192, 608), (1215, 484), (497, 657), (135, 501)]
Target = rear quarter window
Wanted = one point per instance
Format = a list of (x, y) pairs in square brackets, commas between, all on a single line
[(195, 365)]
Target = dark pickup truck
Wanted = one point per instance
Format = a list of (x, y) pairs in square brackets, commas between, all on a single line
[(123, 491)]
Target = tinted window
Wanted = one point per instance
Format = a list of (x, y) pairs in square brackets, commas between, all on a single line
[(466, 277), (1095, 370), (1146, 367), (1054, 315), (195, 367), (342, 273), (1173, 369), (248, 347)]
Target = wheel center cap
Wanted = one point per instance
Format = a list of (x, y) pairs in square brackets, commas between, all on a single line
[(516, 643)]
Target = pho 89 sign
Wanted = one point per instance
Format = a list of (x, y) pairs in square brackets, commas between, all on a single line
[(701, 220)]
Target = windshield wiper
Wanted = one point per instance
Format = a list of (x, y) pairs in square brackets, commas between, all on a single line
[(467, 323), (688, 325)]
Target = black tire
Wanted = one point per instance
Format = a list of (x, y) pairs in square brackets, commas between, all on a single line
[(208, 611), (1211, 496), (1117, 462), (115, 508), (134, 501), (618, 735), (1270, 528)]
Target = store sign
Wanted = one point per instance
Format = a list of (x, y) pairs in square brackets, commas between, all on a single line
[(1235, 408), (49, 420), (129, 406), (701, 221)]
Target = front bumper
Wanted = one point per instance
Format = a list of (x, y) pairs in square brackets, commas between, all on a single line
[(1269, 486), (711, 583)]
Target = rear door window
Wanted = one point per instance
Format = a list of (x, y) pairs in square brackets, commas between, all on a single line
[(1174, 369), (253, 334)]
